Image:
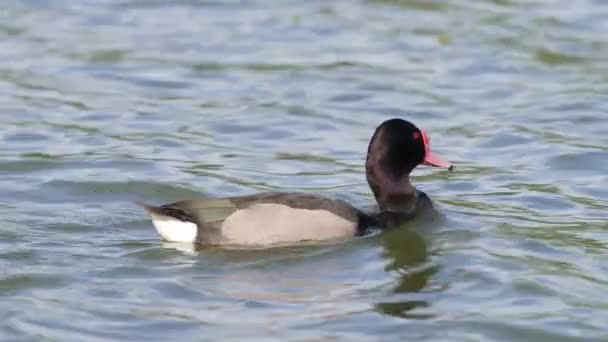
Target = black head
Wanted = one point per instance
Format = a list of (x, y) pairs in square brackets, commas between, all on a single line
[(396, 148)]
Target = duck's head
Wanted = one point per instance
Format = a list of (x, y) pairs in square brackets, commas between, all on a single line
[(396, 148)]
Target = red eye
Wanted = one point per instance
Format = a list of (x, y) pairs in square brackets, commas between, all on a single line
[(416, 136)]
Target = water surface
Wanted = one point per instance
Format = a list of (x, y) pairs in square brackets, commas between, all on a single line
[(108, 101)]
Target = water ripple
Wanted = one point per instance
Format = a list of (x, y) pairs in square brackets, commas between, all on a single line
[(116, 100)]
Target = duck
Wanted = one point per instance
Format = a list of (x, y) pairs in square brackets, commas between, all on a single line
[(396, 148)]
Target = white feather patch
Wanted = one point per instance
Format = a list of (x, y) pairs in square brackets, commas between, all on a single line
[(174, 230)]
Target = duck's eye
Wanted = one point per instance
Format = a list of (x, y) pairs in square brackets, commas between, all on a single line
[(416, 136)]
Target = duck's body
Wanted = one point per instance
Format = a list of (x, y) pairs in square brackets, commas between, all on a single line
[(278, 217), (259, 219), (267, 218)]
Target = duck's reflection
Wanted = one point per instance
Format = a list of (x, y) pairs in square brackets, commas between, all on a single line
[(407, 252), (184, 247), (405, 249)]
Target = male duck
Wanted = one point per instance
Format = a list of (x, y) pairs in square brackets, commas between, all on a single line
[(396, 148)]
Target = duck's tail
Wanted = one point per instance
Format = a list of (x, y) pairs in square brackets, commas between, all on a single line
[(171, 223), (169, 210)]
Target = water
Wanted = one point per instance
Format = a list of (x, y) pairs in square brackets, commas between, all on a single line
[(108, 101)]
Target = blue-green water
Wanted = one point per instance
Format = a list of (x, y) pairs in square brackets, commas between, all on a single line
[(103, 102)]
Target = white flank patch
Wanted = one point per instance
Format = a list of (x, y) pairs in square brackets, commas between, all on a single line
[(268, 223), (174, 230)]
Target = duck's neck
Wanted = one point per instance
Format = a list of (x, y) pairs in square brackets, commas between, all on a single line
[(394, 194)]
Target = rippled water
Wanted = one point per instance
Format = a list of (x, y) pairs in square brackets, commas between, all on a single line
[(108, 101)]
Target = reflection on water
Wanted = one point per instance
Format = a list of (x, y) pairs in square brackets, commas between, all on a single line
[(408, 257)]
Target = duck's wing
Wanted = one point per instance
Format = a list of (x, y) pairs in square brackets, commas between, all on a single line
[(300, 200)]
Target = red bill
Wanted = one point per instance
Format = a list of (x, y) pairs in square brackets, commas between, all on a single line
[(431, 158)]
